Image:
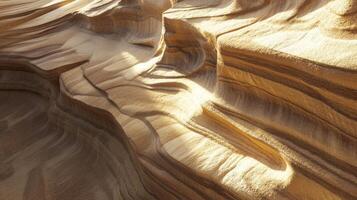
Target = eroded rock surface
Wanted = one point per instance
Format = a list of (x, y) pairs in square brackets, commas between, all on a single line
[(165, 99)]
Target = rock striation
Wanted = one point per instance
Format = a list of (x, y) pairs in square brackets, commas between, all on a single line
[(178, 99)]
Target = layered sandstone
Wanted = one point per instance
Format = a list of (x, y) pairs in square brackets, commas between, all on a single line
[(165, 99)]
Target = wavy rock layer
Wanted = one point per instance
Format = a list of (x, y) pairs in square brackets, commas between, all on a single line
[(192, 99)]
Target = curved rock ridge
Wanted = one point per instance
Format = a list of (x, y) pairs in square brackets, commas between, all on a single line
[(189, 99)]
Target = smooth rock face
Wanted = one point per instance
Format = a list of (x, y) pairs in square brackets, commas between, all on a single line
[(187, 99)]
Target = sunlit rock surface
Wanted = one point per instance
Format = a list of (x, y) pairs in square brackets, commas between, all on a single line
[(165, 99)]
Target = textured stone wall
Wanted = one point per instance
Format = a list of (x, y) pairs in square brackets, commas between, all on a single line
[(190, 99)]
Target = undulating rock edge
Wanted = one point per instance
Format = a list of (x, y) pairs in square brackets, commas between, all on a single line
[(166, 99)]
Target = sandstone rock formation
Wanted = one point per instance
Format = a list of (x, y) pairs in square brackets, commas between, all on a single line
[(178, 99)]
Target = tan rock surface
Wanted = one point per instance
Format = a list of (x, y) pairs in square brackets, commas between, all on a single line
[(165, 99)]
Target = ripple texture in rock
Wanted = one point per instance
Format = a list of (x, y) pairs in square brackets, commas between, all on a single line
[(178, 99)]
